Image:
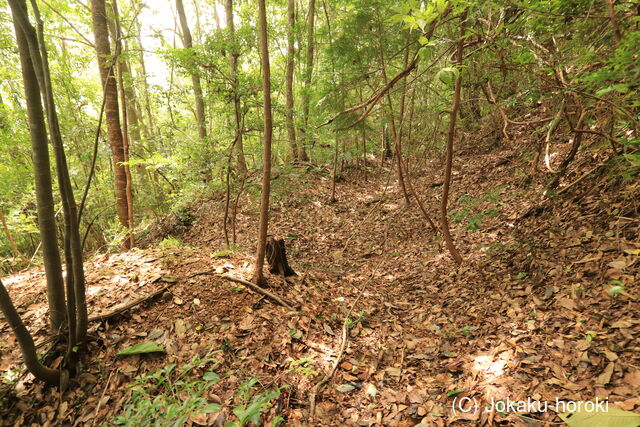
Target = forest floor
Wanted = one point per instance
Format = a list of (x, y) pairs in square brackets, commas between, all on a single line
[(545, 306)]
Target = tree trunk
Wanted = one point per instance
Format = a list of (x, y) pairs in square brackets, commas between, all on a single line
[(195, 75), (12, 243), (75, 281), (143, 74), (617, 33), (216, 16), (401, 121), (42, 172), (126, 107), (291, 130), (394, 131), (450, 138), (25, 340), (258, 277), (112, 115), (233, 59), (334, 178), (306, 139)]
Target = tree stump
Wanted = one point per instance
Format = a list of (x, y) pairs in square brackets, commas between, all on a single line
[(277, 258)]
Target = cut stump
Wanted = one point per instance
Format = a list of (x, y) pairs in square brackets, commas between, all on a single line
[(277, 258)]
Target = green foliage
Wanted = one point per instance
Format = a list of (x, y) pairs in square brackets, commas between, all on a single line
[(170, 242), (169, 396), (221, 254), (305, 366), (475, 210)]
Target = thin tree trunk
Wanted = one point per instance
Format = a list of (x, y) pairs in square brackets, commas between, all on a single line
[(394, 131), (216, 16), (363, 137), (12, 243), (335, 171), (195, 75), (450, 139), (291, 130), (258, 277), (112, 114), (308, 73), (617, 33), (233, 59), (75, 282), (25, 340), (143, 69), (410, 124), (401, 114), (42, 172)]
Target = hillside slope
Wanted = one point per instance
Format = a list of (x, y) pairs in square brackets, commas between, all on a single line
[(545, 305)]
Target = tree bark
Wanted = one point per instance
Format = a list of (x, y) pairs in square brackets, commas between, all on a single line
[(308, 73), (450, 138), (233, 59), (42, 172), (291, 130), (258, 277), (112, 114), (195, 75)]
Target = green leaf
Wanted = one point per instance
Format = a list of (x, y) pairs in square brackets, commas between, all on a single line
[(447, 75), (210, 408), (454, 392), (591, 416), (622, 88), (142, 348), (211, 376), (615, 290), (221, 254)]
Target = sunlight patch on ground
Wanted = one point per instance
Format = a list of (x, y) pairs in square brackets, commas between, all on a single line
[(21, 280), (490, 366), (96, 289)]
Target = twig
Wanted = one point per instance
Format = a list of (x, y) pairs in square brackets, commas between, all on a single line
[(589, 172), (275, 298), (95, 417), (547, 140), (316, 389), (201, 273), (343, 345)]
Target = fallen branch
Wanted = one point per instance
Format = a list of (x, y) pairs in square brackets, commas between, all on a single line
[(273, 297), (122, 309)]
